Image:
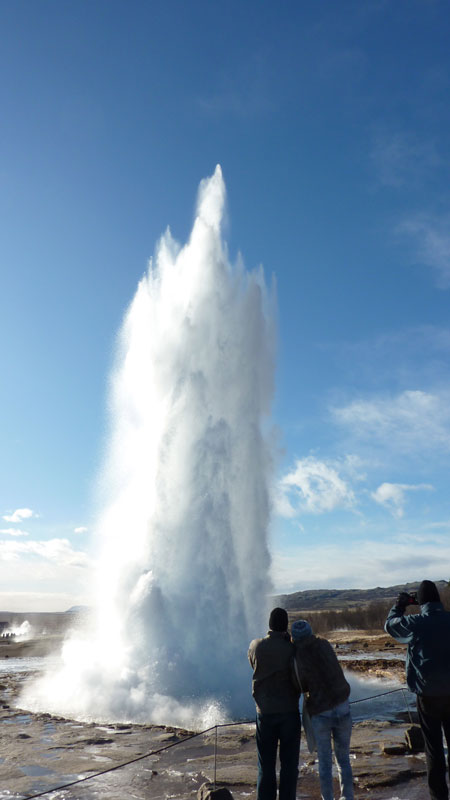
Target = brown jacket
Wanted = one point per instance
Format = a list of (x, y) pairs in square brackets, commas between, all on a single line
[(321, 675), (272, 687)]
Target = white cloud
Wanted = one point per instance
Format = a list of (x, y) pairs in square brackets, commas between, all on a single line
[(313, 487), (56, 551), (443, 524), (81, 529), (412, 420), (13, 532), (360, 564), (19, 515), (392, 495), (424, 538), (432, 237), (401, 158), (43, 575)]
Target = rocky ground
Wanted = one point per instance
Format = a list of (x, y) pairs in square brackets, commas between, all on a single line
[(370, 653), (39, 752)]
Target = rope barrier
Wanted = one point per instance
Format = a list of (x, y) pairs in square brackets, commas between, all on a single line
[(117, 766), (175, 744), (374, 696)]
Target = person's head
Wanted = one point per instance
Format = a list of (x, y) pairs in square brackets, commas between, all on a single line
[(278, 620), (428, 593), (300, 629)]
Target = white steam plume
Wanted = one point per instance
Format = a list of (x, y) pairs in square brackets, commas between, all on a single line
[(184, 559)]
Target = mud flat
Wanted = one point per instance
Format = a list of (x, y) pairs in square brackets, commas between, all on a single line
[(40, 752)]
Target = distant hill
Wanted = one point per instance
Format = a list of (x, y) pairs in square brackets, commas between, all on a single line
[(78, 610), (50, 622), (334, 599)]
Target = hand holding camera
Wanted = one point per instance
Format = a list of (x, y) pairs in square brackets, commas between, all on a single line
[(407, 599)]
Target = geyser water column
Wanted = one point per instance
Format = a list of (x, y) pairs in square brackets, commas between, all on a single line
[(183, 556)]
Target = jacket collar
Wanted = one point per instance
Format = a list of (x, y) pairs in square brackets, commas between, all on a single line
[(278, 635), (430, 608)]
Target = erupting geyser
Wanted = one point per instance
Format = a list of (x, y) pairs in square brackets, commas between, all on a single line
[(183, 556)]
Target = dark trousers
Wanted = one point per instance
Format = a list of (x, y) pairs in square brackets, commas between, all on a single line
[(434, 716), (272, 729)]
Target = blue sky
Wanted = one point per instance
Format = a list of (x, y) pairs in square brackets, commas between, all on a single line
[(331, 124)]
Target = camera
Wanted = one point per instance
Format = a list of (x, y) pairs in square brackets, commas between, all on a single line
[(412, 599)]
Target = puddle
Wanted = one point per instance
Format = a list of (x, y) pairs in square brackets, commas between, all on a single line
[(377, 699), (49, 732), (34, 771), (50, 728), (107, 730), (17, 719), (27, 664), (94, 757), (374, 656), (53, 756), (5, 795), (44, 787)]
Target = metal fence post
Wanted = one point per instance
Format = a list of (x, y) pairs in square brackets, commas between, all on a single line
[(405, 698), (215, 756)]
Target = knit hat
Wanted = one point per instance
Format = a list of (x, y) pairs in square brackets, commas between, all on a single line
[(428, 593), (300, 629), (278, 620)]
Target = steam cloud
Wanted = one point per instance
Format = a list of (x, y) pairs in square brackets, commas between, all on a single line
[(184, 559)]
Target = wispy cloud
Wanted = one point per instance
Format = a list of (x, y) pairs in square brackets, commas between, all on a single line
[(246, 92), (19, 515), (13, 532), (393, 495), (401, 157), (408, 421), (43, 575), (431, 236), (81, 529), (360, 564), (314, 487), (56, 551)]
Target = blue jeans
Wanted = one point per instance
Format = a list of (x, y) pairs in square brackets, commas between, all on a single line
[(271, 729), (336, 723)]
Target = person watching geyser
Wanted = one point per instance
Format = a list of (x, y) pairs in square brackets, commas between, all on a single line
[(427, 635)]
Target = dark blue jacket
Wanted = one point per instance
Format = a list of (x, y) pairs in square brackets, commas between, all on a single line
[(428, 638)]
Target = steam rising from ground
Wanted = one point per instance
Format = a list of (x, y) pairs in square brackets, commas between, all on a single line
[(20, 632), (184, 559)]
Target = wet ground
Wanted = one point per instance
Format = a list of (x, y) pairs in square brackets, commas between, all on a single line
[(39, 753)]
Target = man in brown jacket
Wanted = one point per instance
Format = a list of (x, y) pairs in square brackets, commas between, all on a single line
[(277, 717)]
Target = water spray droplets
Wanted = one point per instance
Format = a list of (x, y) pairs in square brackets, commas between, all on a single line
[(183, 572)]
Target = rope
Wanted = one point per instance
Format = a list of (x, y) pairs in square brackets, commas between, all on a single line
[(174, 744), (118, 766), (374, 696)]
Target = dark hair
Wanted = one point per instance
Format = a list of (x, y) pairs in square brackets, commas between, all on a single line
[(428, 593), (278, 620)]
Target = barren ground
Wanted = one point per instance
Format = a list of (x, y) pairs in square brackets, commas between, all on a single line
[(40, 752)]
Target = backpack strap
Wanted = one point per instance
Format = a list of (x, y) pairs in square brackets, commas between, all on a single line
[(297, 675)]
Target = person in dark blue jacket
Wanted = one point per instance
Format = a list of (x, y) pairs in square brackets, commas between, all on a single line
[(427, 674)]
